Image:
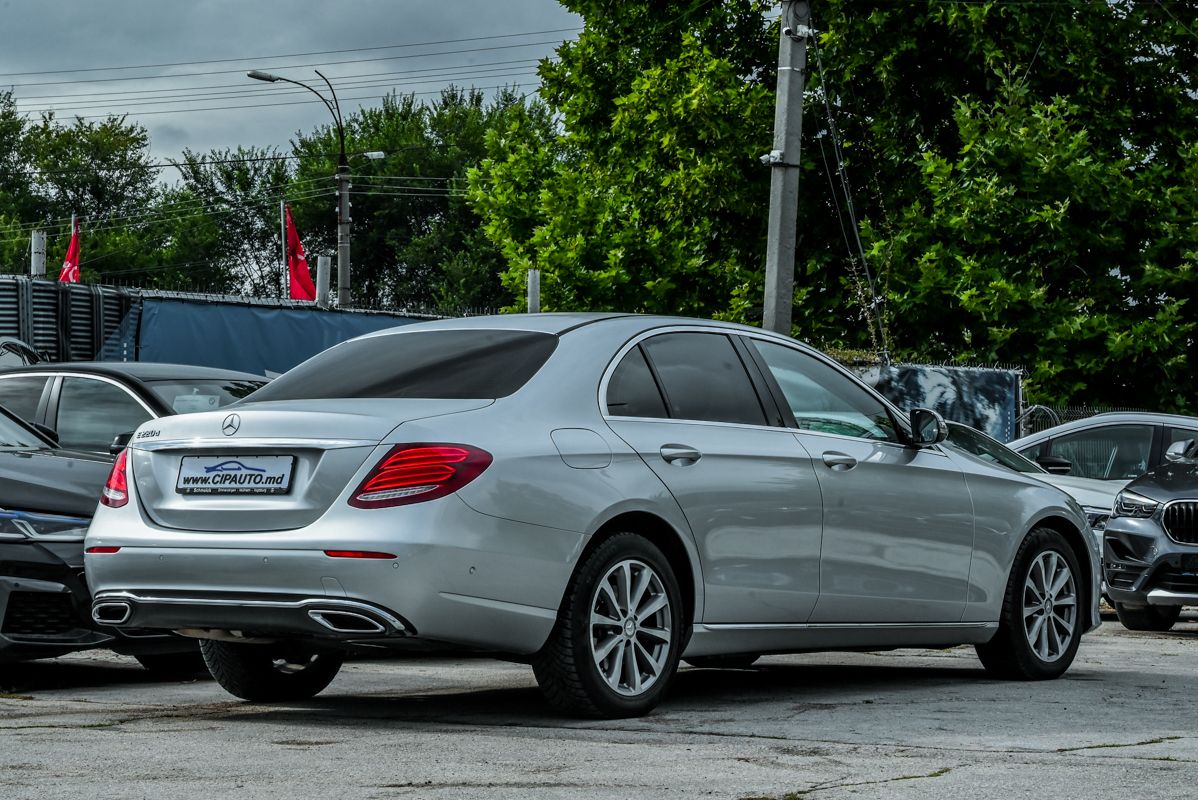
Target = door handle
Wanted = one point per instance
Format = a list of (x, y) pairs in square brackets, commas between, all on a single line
[(841, 462), (679, 454)]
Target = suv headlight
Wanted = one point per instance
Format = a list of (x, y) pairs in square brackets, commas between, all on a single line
[(1130, 504)]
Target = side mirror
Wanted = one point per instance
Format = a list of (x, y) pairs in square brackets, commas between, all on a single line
[(1181, 450), (46, 430), (1055, 464), (927, 427), (120, 442)]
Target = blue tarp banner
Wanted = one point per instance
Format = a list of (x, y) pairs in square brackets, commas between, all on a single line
[(258, 339)]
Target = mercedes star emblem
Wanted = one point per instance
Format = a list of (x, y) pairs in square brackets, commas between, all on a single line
[(231, 425)]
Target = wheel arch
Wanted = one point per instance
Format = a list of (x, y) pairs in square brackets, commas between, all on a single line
[(1076, 539), (679, 552)]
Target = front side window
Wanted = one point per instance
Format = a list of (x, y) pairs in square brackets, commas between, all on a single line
[(1112, 452), (987, 449), (822, 399), (92, 413), (703, 378)]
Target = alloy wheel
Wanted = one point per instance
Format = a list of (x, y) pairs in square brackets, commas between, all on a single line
[(630, 627), (1049, 606)]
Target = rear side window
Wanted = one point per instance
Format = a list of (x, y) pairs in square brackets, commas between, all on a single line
[(631, 391), (21, 394), (91, 413), (703, 378), (438, 365)]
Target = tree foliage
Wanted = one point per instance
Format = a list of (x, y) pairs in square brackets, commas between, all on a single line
[(1023, 174)]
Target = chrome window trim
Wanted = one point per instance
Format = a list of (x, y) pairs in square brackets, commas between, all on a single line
[(748, 334), (102, 378), (246, 443)]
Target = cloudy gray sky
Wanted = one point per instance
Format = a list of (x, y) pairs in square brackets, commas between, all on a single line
[(69, 55)]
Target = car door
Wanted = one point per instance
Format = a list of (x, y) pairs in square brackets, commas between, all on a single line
[(685, 401), (898, 520), (90, 412)]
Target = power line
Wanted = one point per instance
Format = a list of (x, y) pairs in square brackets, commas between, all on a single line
[(340, 79), (252, 92), (290, 55), (288, 66)]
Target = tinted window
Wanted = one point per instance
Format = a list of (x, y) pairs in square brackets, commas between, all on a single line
[(20, 394), (13, 435), (822, 399), (91, 413), (987, 449), (703, 378), (1108, 453), (444, 365), (1180, 434), (631, 391), (185, 397)]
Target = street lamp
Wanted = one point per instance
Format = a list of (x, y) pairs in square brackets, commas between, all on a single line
[(342, 177)]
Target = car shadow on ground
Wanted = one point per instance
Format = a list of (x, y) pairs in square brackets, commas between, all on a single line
[(714, 691), (50, 674)]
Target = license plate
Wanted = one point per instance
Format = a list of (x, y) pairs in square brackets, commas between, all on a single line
[(235, 474)]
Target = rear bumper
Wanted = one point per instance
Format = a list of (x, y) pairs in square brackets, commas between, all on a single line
[(251, 616), (457, 577)]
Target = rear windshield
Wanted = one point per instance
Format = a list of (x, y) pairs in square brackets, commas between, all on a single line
[(188, 396), (439, 365)]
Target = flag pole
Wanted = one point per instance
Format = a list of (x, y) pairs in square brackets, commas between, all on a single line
[(283, 294)]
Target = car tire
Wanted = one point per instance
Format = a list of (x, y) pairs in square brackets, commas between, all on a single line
[(616, 643), (174, 665), (270, 673), (1028, 644), (743, 661), (1147, 618)]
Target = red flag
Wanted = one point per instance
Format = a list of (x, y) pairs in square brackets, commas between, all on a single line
[(297, 264), (70, 265)]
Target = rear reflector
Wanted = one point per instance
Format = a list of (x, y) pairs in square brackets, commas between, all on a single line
[(116, 491), (103, 550), (413, 473), (357, 554)]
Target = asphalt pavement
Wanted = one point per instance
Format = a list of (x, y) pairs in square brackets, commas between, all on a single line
[(1123, 723)]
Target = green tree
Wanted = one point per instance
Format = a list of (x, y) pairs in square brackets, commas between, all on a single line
[(1024, 179), (416, 241)]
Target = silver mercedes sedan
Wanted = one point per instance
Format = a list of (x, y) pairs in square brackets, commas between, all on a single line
[(599, 495)]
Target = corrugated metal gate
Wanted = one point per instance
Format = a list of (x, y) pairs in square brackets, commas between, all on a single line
[(67, 322)]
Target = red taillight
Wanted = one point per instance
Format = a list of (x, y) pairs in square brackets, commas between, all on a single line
[(358, 554), (413, 473), (103, 550), (116, 491)]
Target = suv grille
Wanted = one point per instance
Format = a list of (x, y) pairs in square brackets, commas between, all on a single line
[(40, 614), (1181, 521)]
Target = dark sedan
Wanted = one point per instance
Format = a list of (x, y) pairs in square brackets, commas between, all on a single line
[(47, 498), (87, 404)]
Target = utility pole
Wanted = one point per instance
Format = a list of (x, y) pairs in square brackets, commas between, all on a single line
[(37, 254), (534, 291), (343, 223), (784, 161)]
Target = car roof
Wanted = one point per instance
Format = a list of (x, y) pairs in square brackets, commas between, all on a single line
[(1101, 420), (558, 323), (139, 370)]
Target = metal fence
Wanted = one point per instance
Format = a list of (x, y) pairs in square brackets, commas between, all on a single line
[(66, 322)]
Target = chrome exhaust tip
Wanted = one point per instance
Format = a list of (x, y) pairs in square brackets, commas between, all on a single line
[(344, 622), (112, 613)]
